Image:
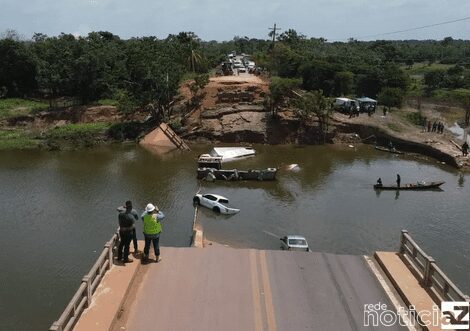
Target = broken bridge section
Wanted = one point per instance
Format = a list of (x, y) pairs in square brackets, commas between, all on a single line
[(164, 137)]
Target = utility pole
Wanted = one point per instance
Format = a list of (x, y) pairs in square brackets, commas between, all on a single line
[(274, 32)]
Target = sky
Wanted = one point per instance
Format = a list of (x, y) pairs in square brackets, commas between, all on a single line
[(335, 20)]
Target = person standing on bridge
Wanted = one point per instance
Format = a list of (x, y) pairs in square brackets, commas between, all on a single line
[(126, 230), (152, 229), (136, 218), (398, 180)]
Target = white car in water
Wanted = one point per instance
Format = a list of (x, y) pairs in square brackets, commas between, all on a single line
[(215, 202), (294, 243)]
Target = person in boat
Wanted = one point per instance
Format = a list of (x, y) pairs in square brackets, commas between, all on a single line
[(126, 230), (379, 182), (152, 218), (390, 146), (465, 149), (398, 180)]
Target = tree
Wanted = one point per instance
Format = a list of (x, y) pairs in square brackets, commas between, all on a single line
[(279, 90), (154, 75), (315, 103), (17, 69), (391, 97), (434, 79), (343, 82), (319, 75), (291, 37), (200, 81), (463, 97)]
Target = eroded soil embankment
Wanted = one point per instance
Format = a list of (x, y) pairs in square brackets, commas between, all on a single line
[(441, 151)]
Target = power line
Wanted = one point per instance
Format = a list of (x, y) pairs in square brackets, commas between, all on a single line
[(410, 29)]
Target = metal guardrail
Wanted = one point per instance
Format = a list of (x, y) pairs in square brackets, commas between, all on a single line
[(82, 298), (429, 274)]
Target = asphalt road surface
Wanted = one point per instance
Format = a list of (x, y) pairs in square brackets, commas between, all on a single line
[(220, 288)]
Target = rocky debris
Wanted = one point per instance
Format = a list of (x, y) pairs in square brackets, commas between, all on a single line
[(222, 111), (346, 138), (235, 96)]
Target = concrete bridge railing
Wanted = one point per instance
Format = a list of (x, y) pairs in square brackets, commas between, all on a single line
[(430, 275), (82, 298)]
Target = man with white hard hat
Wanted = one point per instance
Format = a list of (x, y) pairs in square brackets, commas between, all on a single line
[(152, 228)]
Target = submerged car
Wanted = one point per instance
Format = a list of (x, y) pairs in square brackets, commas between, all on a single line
[(294, 243), (215, 202)]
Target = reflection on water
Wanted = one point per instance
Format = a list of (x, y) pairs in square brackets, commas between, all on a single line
[(58, 209)]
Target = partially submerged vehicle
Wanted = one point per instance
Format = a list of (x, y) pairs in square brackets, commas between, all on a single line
[(230, 153), (412, 186), (208, 161), (294, 243), (234, 174), (215, 202)]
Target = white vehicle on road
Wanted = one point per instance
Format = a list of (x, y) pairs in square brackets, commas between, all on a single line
[(294, 243), (215, 202)]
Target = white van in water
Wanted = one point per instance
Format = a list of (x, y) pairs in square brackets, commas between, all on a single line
[(294, 243)]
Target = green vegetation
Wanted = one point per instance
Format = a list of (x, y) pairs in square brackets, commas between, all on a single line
[(279, 89), (391, 97), (394, 127), (125, 131), (107, 102), (15, 107), (78, 131), (415, 118), (17, 139), (146, 72), (315, 103)]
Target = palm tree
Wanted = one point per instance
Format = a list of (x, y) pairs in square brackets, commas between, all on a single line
[(194, 58)]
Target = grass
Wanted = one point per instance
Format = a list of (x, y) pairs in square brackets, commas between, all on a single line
[(394, 127), (189, 76), (420, 68), (16, 139), (78, 131), (415, 118), (16, 107)]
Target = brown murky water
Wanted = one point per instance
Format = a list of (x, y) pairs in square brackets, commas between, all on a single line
[(58, 209)]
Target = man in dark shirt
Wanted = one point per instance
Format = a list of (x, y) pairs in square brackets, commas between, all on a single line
[(398, 180), (126, 230)]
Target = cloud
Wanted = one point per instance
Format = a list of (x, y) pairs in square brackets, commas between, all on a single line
[(222, 19)]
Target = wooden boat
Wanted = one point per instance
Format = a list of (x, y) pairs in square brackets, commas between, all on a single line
[(385, 149), (234, 174), (412, 186)]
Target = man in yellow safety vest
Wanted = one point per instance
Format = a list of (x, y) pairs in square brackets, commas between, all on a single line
[(152, 228)]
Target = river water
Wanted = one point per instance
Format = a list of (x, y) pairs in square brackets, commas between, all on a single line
[(59, 208)]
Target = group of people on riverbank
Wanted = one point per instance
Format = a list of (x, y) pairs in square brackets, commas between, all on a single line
[(152, 228), (434, 127)]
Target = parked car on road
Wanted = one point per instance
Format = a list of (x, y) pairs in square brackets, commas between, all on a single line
[(215, 202), (294, 243)]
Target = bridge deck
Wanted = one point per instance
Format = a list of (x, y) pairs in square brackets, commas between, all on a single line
[(220, 288)]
